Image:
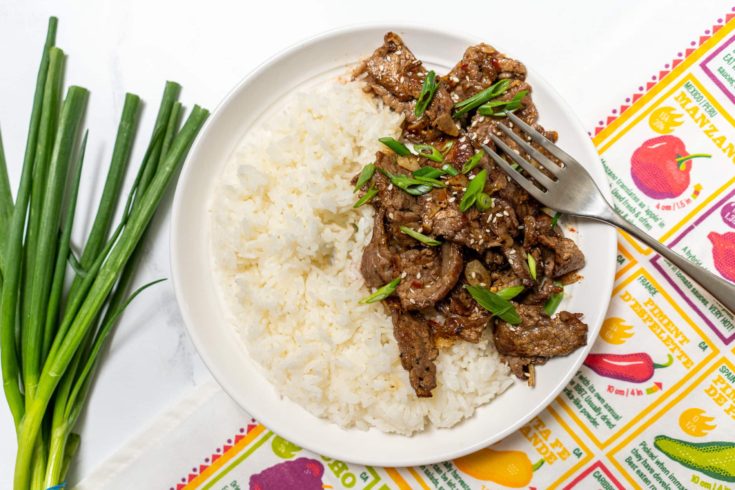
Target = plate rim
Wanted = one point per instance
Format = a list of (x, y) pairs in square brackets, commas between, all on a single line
[(610, 236)]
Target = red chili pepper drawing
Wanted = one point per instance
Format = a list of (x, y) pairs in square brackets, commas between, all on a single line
[(636, 368)]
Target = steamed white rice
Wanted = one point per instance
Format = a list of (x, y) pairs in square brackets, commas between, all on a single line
[(287, 245)]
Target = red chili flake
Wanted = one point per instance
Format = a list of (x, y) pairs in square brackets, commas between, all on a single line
[(417, 284)]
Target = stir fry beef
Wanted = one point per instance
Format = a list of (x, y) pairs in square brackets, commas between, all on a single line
[(464, 318), (394, 74), (567, 256), (417, 350), (480, 67), (435, 248), (379, 263), (538, 335), (428, 275)]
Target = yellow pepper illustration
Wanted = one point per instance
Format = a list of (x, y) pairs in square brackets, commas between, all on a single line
[(616, 331), (696, 422), (507, 468), (664, 119)]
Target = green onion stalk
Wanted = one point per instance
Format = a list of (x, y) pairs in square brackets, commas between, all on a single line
[(53, 325)]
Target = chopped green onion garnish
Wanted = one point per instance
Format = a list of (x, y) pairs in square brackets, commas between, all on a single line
[(428, 89), (475, 187), (555, 220), (447, 146), (428, 172), (480, 98), (428, 151), (369, 195), (502, 107), (484, 201), (511, 292), (420, 236), (432, 182), (413, 186), (381, 293), (531, 265), (554, 301), (472, 162), (395, 145), (495, 304), (449, 170), (365, 175)]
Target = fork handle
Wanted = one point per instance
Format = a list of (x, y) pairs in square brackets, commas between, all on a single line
[(722, 290)]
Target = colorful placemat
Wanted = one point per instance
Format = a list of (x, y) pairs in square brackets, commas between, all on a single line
[(654, 404)]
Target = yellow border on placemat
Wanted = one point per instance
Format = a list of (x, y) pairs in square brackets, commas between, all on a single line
[(589, 454), (695, 369), (672, 403), (600, 137), (225, 458)]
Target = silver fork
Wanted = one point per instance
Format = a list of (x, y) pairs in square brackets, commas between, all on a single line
[(573, 191)]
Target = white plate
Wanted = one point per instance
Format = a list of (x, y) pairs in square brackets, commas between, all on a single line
[(204, 311)]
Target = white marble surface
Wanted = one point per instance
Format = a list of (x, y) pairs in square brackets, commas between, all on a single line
[(595, 54)]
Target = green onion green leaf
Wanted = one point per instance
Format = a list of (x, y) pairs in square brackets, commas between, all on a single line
[(395, 145), (552, 304), (428, 172), (449, 170), (495, 90), (472, 162), (420, 236), (484, 201), (495, 304), (428, 151), (369, 195), (531, 265), (365, 175), (381, 293), (500, 108), (555, 219), (511, 292), (428, 89), (411, 185), (475, 187)]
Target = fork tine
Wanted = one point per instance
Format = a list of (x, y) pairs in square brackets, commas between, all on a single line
[(527, 166), (535, 154), (513, 174), (541, 140)]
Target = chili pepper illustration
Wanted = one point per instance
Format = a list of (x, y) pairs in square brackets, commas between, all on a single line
[(635, 368), (715, 459)]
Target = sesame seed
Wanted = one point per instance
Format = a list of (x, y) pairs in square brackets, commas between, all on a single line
[(390, 215), (452, 199), (403, 275), (413, 301), (390, 186), (418, 275), (510, 124)]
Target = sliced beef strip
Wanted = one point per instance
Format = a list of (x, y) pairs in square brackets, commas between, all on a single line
[(567, 255), (540, 335), (481, 66), (463, 317), (401, 208), (461, 151), (541, 293), (417, 350), (519, 366), (506, 279), (394, 74), (516, 257), (428, 274), (379, 263)]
